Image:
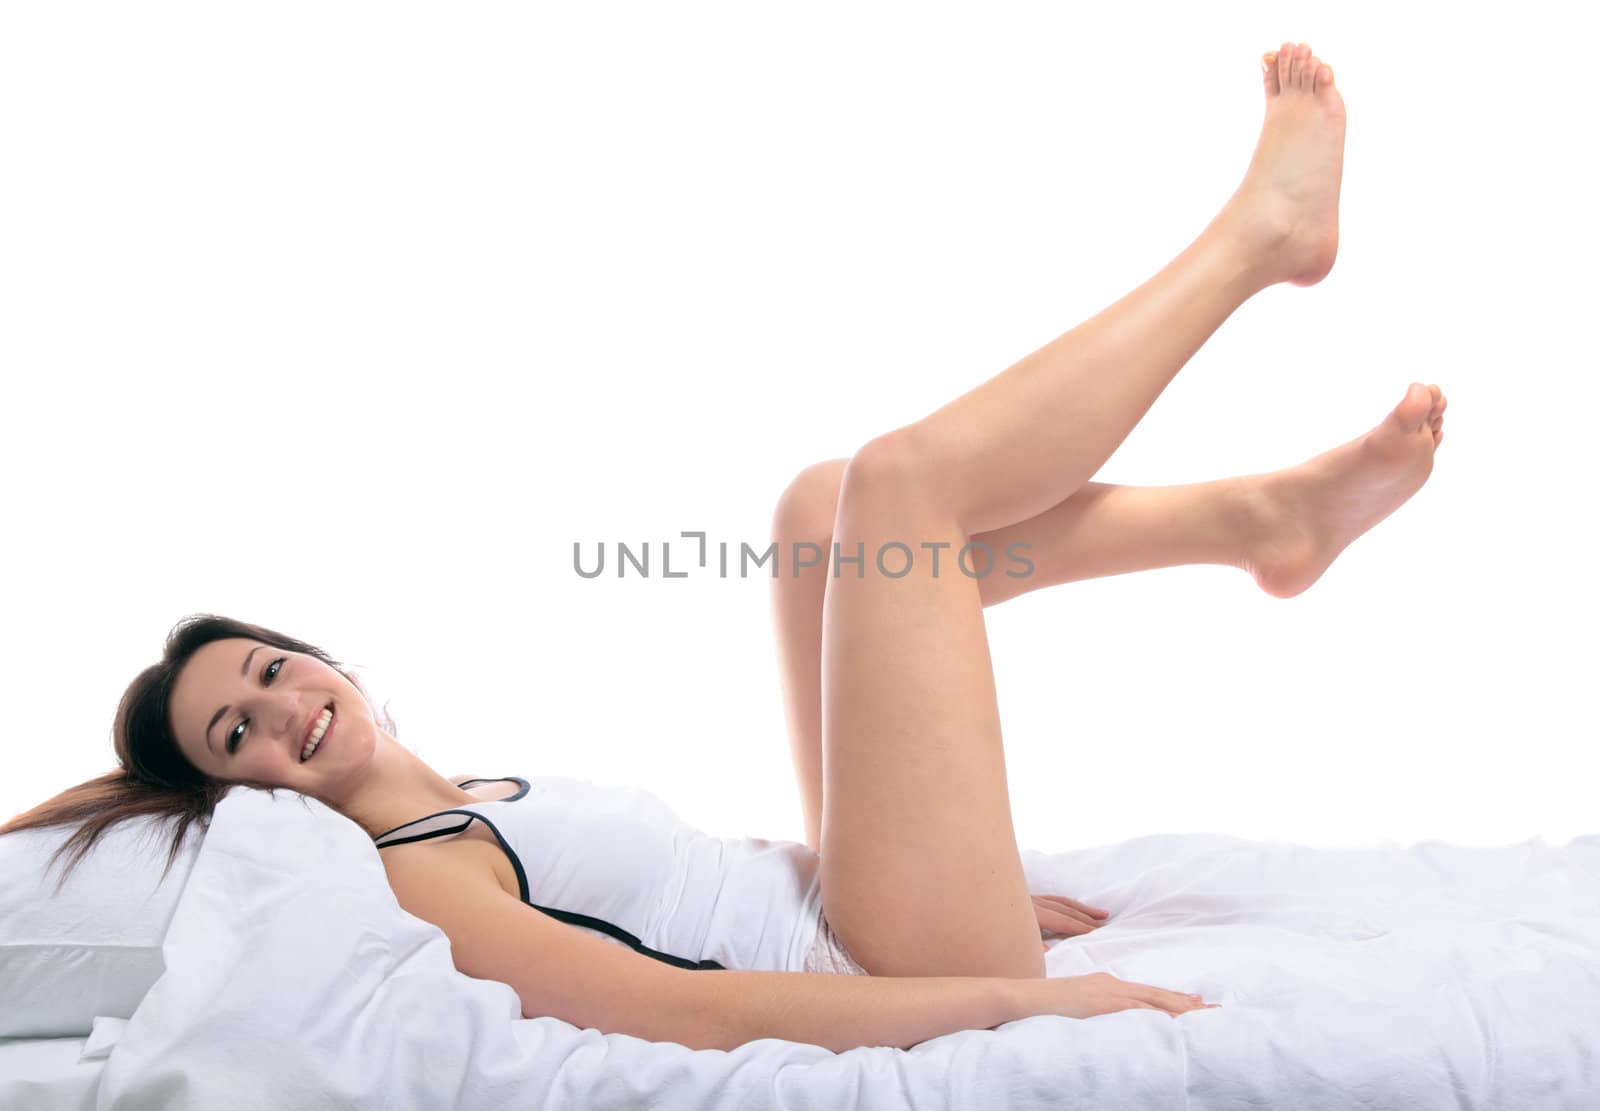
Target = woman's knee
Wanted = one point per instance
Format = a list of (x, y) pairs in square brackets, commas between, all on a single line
[(896, 469), (806, 508)]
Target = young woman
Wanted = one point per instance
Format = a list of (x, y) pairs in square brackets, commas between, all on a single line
[(889, 690)]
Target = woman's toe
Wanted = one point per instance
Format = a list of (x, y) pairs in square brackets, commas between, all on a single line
[(1269, 72), (1313, 68)]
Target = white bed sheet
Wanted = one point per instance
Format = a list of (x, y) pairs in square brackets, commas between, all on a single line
[(1429, 976), (55, 1074)]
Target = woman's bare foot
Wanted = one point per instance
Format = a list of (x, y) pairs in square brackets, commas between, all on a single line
[(1304, 516), (1287, 207)]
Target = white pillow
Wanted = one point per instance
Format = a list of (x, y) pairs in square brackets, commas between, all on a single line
[(293, 975), (94, 949)]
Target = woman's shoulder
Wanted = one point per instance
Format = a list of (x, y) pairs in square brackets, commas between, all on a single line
[(473, 862)]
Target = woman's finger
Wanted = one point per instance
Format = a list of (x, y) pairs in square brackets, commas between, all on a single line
[(1086, 908), (1063, 922), (1161, 997), (1053, 916), (1066, 926), (1075, 905), (1064, 904)]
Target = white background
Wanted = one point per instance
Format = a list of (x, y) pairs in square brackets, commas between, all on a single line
[(351, 320)]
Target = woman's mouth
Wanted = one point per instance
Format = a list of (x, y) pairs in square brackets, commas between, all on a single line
[(319, 733)]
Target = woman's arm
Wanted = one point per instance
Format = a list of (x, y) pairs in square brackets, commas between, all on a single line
[(839, 1012), (845, 1012), (564, 972)]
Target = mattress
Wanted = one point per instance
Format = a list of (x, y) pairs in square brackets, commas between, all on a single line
[(1419, 976)]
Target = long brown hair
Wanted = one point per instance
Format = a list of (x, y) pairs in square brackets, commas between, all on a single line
[(155, 778)]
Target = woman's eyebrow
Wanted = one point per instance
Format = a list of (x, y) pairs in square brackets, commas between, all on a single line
[(244, 669)]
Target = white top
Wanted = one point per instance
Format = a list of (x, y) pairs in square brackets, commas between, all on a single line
[(619, 862)]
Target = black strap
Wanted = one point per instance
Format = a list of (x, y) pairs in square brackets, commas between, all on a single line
[(570, 917)]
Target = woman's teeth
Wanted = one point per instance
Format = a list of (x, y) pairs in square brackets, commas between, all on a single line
[(317, 734)]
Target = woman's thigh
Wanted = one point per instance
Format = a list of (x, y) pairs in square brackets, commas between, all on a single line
[(920, 870)]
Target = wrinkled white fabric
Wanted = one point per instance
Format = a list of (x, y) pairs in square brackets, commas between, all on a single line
[(1424, 977)]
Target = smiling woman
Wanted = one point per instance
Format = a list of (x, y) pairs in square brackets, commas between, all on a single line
[(230, 702)]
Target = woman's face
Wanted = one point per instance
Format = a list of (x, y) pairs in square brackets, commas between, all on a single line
[(242, 711)]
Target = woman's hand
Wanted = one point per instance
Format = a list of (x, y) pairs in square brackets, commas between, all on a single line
[(1058, 914), (1101, 993)]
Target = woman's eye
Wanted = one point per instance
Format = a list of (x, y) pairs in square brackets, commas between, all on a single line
[(234, 736)]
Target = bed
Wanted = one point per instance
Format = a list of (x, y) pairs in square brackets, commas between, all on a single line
[(278, 971)]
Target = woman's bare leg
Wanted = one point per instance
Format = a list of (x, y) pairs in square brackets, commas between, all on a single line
[(1027, 438), (1283, 528), (920, 870)]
